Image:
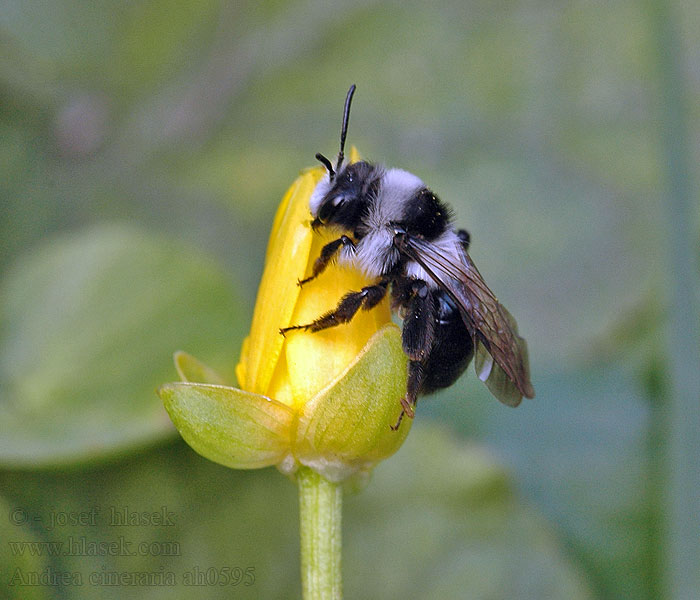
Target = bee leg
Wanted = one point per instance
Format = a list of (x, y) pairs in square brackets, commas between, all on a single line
[(416, 375), (406, 410), (419, 320), (328, 253), (367, 298), (417, 336)]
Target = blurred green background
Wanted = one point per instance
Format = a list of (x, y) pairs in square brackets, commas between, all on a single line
[(144, 147)]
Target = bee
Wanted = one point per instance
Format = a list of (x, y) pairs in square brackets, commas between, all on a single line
[(400, 234)]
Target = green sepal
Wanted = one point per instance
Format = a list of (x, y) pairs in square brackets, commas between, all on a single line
[(346, 427), (237, 429), (88, 321), (191, 369)]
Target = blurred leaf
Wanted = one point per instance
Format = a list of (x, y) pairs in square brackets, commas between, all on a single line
[(89, 324), (438, 520), (444, 522), (586, 451), (580, 449)]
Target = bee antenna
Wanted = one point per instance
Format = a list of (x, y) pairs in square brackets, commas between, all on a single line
[(326, 163), (344, 130)]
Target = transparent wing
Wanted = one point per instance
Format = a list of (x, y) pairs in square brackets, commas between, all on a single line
[(501, 358), (496, 378)]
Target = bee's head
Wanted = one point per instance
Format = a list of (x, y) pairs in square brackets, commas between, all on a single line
[(343, 199)]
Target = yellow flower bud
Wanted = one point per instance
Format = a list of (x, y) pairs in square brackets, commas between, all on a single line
[(324, 400)]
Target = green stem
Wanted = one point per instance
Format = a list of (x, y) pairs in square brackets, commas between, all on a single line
[(320, 510)]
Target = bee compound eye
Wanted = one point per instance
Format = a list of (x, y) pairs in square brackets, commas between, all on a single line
[(399, 230)]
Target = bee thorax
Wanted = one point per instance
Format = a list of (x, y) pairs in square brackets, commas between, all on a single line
[(375, 253)]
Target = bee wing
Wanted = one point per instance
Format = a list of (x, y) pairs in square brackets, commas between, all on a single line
[(496, 378), (500, 357)]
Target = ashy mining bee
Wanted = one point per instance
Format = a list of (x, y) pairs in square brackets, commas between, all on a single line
[(400, 234)]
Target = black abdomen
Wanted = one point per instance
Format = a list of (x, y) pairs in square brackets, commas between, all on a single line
[(452, 348)]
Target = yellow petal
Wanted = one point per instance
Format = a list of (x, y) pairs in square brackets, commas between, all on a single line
[(242, 364), (314, 359), (287, 257)]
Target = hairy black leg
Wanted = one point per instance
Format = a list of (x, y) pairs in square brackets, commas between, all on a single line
[(328, 253), (418, 336), (367, 298), (418, 320)]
